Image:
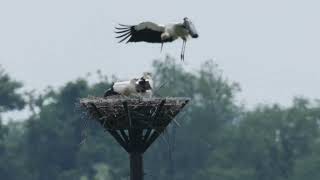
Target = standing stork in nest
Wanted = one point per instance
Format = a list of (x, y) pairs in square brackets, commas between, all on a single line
[(155, 33)]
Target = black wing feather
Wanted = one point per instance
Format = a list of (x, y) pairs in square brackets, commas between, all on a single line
[(123, 34), (144, 35), (124, 38), (123, 31)]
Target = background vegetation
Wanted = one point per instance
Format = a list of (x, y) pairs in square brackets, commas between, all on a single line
[(217, 138)]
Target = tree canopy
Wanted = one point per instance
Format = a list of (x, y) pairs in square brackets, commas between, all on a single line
[(213, 138), (10, 99)]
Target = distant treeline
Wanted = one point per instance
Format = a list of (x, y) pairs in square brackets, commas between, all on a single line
[(216, 138)]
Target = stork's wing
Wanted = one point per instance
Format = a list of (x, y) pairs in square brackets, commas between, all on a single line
[(146, 31)]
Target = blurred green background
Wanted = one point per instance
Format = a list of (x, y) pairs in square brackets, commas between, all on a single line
[(218, 138)]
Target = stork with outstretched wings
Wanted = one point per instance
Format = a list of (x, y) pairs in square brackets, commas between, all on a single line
[(155, 33)]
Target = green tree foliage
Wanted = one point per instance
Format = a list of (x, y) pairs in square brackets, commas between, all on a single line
[(53, 137), (10, 99), (213, 138), (211, 108), (269, 143)]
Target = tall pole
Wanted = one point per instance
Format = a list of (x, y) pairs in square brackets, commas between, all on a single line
[(136, 166), (136, 154)]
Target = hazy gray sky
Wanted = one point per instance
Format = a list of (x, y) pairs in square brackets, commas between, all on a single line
[(270, 47)]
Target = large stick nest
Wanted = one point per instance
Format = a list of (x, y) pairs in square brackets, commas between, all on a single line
[(118, 112)]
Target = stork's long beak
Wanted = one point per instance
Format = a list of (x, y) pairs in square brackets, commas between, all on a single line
[(191, 28), (193, 31)]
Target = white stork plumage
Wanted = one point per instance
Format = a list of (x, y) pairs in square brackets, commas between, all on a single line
[(155, 33), (135, 87)]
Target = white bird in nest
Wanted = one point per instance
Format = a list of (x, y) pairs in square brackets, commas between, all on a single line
[(155, 33), (135, 87)]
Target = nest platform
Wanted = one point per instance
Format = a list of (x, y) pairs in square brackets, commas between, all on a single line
[(134, 122)]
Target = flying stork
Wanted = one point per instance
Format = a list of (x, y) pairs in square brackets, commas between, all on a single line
[(155, 33)]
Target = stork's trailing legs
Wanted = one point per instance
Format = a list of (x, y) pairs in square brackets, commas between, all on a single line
[(183, 49), (161, 47)]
